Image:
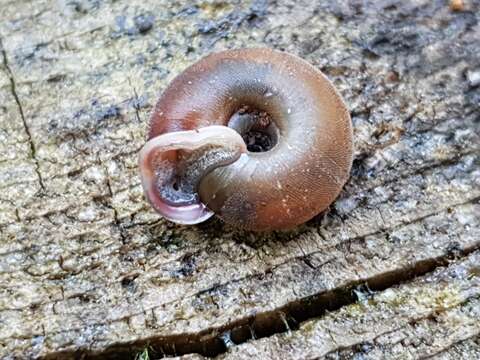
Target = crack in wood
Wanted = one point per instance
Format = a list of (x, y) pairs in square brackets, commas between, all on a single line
[(110, 205), (303, 257), (474, 338), (211, 342), (431, 316), (13, 89), (406, 80)]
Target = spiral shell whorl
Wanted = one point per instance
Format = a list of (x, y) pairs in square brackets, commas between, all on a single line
[(303, 173)]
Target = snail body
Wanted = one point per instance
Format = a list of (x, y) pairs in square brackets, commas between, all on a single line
[(292, 156)]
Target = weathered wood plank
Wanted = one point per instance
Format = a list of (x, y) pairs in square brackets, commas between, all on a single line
[(415, 320), (87, 267), (467, 349)]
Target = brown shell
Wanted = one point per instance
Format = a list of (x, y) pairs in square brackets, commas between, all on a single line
[(308, 167)]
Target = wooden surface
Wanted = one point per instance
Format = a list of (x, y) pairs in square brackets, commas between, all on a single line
[(88, 269)]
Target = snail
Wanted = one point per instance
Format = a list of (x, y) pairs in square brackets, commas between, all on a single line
[(256, 136)]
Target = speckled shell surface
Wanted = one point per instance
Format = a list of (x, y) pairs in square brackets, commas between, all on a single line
[(307, 168)]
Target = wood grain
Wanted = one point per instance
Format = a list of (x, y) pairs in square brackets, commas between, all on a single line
[(88, 268)]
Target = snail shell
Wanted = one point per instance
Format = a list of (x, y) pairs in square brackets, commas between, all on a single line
[(294, 174)]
